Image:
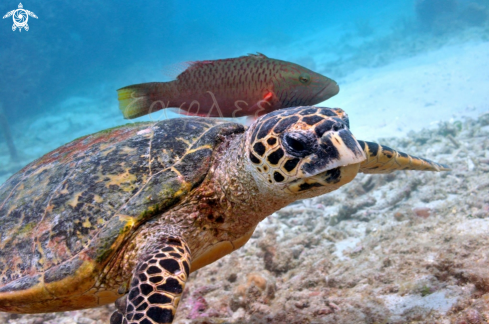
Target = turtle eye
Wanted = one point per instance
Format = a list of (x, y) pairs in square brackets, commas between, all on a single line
[(304, 78), (299, 144)]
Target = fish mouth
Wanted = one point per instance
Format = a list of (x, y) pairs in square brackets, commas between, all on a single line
[(330, 90)]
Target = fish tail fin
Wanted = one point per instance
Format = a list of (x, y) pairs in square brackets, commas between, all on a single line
[(383, 159), (141, 99)]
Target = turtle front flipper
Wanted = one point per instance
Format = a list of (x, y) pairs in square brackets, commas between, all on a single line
[(383, 159), (157, 285)]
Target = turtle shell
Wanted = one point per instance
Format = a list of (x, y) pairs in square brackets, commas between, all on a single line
[(63, 216)]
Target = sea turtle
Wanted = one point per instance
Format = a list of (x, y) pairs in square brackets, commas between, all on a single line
[(125, 214), (20, 17)]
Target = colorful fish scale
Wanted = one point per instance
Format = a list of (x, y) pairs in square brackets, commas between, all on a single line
[(255, 83)]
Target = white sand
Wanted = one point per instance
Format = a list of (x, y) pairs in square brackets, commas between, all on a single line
[(418, 92)]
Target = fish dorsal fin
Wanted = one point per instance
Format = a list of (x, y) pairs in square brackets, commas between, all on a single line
[(173, 71), (258, 55), (197, 64)]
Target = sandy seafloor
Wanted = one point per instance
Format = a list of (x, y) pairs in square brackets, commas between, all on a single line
[(409, 247)]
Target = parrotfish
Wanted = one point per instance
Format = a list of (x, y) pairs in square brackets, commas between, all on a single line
[(251, 85)]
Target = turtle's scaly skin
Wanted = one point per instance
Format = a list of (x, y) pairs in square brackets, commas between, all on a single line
[(129, 212)]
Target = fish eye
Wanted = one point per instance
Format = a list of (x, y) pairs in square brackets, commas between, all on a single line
[(304, 78)]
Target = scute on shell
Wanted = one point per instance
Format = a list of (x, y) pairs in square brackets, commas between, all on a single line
[(88, 195)]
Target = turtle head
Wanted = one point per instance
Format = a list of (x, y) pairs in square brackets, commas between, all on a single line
[(303, 152)]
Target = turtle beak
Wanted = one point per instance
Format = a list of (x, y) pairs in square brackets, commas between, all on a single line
[(335, 163), (338, 148)]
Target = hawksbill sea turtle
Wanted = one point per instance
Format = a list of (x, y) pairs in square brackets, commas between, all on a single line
[(124, 215), (20, 17)]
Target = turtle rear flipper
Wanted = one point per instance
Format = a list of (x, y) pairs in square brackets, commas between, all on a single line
[(383, 159), (157, 285)]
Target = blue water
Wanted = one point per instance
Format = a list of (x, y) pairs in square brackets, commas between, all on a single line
[(89, 49)]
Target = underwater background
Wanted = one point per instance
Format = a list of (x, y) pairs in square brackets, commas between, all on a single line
[(59, 79), (412, 73)]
